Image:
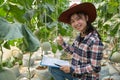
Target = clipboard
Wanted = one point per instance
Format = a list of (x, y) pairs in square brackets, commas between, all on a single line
[(53, 62)]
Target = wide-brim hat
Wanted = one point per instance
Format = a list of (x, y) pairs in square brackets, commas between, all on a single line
[(86, 7)]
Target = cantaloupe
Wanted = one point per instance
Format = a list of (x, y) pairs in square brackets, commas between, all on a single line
[(7, 74), (46, 46), (17, 54), (115, 57)]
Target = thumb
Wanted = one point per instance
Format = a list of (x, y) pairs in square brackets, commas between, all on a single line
[(60, 36)]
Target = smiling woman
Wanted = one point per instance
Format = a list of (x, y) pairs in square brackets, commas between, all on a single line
[(86, 49)]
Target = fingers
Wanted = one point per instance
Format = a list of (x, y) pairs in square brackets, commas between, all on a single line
[(66, 69), (60, 37), (60, 40)]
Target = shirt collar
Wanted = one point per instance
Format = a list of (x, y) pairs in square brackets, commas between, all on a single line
[(90, 34)]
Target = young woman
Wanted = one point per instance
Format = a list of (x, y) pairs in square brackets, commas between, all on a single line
[(87, 47)]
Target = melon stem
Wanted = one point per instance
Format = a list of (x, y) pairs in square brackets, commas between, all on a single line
[(1, 65)]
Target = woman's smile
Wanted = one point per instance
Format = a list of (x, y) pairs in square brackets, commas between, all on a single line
[(78, 22)]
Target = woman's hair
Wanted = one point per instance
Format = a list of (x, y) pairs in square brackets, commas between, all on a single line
[(90, 28)]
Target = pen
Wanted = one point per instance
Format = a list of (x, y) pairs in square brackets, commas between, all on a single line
[(57, 65)]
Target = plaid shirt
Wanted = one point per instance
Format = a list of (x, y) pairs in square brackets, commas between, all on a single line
[(87, 56)]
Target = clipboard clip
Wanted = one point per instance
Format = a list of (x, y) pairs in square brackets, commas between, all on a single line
[(57, 65)]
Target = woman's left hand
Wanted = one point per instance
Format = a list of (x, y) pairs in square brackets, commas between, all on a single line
[(66, 69)]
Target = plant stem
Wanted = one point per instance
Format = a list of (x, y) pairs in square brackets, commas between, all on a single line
[(1, 65), (29, 74)]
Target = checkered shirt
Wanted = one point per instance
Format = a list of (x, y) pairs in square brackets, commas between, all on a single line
[(87, 56)]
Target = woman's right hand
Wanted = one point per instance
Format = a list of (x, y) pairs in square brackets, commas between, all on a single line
[(60, 40), (66, 69)]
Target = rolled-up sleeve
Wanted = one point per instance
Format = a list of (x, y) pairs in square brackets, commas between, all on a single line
[(68, 48)]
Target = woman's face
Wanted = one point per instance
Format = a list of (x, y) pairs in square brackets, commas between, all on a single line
[(79, 22)]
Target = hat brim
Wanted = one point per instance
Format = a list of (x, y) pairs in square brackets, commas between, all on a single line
[(87, 8)]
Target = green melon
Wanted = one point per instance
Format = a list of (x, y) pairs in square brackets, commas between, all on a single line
[(17, 54), (115, 57), (46, 46), (7, 74)]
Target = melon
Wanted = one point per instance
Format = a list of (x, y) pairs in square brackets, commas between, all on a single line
[(43, 74), (7, 74), (17, 54), (115, 57), (46, 46), (15, 70)]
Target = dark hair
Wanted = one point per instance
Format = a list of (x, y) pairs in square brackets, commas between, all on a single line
[(90, 28)]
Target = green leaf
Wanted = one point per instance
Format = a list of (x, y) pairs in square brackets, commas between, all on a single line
[(17, 11), (29, 14), (3, 12), (1, 41), (112, 7), (22, 47), (42, 33), (6, 45), (54, 47), (114, 30), (59, 47), (64, 30), (49, 7), (9, 31), (31, 42), (27, 3)]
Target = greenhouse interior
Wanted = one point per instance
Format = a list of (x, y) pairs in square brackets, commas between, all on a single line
[(52, 40)]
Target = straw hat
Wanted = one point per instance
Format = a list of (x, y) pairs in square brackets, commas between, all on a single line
[(87, 8)]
